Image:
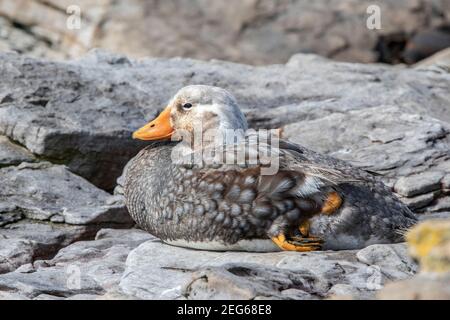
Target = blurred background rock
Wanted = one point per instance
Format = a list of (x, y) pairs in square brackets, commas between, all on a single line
[(248, 31)]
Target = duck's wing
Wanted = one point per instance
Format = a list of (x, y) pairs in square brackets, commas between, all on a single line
[(297, 155), (298, 189)]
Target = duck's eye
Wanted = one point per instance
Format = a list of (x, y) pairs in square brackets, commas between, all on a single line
[(187, 106)]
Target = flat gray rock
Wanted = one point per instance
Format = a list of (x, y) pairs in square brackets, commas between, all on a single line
[(14, 253), (12, 154), (92, 268), (41, 239), (43, 191), (420, 201), (158, 271), (82, 113), (45, 207), (446, 181), (5, 295), (419, 183), (435, 215), (441, 204), (393, 260)]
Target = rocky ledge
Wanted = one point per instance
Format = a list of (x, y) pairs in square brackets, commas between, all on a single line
[(65, 137), (132, 264)]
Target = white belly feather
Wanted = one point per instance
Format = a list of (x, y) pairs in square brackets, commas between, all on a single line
[(255, 245)]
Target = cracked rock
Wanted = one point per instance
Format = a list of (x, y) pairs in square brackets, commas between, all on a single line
[(49, 192), (14, 253), (419, 183), (441, 204), (12, 154), (158, 271), (420, 201), (45, 207), (446, 181), (393, 260), (82, 269)]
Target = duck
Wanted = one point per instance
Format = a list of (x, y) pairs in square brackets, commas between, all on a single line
[(190, 188)]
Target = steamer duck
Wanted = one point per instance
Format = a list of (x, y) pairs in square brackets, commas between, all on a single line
[(310, 202)]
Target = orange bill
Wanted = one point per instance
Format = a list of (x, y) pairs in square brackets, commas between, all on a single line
[(158, 129)]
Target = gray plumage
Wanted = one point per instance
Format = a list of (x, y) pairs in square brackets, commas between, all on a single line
[(229, 203)]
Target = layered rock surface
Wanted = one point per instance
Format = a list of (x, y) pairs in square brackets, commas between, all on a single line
[(45, 207), (132, 264), (66, 130)]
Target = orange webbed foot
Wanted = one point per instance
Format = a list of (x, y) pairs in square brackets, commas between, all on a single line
[(299, 244)]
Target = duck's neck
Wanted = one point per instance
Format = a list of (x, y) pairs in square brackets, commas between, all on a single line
[(212, 139)]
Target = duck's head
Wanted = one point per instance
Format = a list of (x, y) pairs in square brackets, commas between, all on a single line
[(196, 107)]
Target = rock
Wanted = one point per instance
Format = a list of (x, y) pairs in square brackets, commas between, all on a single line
[(244, 282), (434, 216), (420, 201), (12, 154), (43, 191), (54, 282), (157, 271), (82, 137), (429, 242), (419, 183), (8, 215), (342, 291), (258, 32), (83, 269), (441, 204), (393, 260), (14, 38), (4, 295), (45, 239), (47, 297), (15, 252), (85, 115), (446, 182), (45, 207)]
